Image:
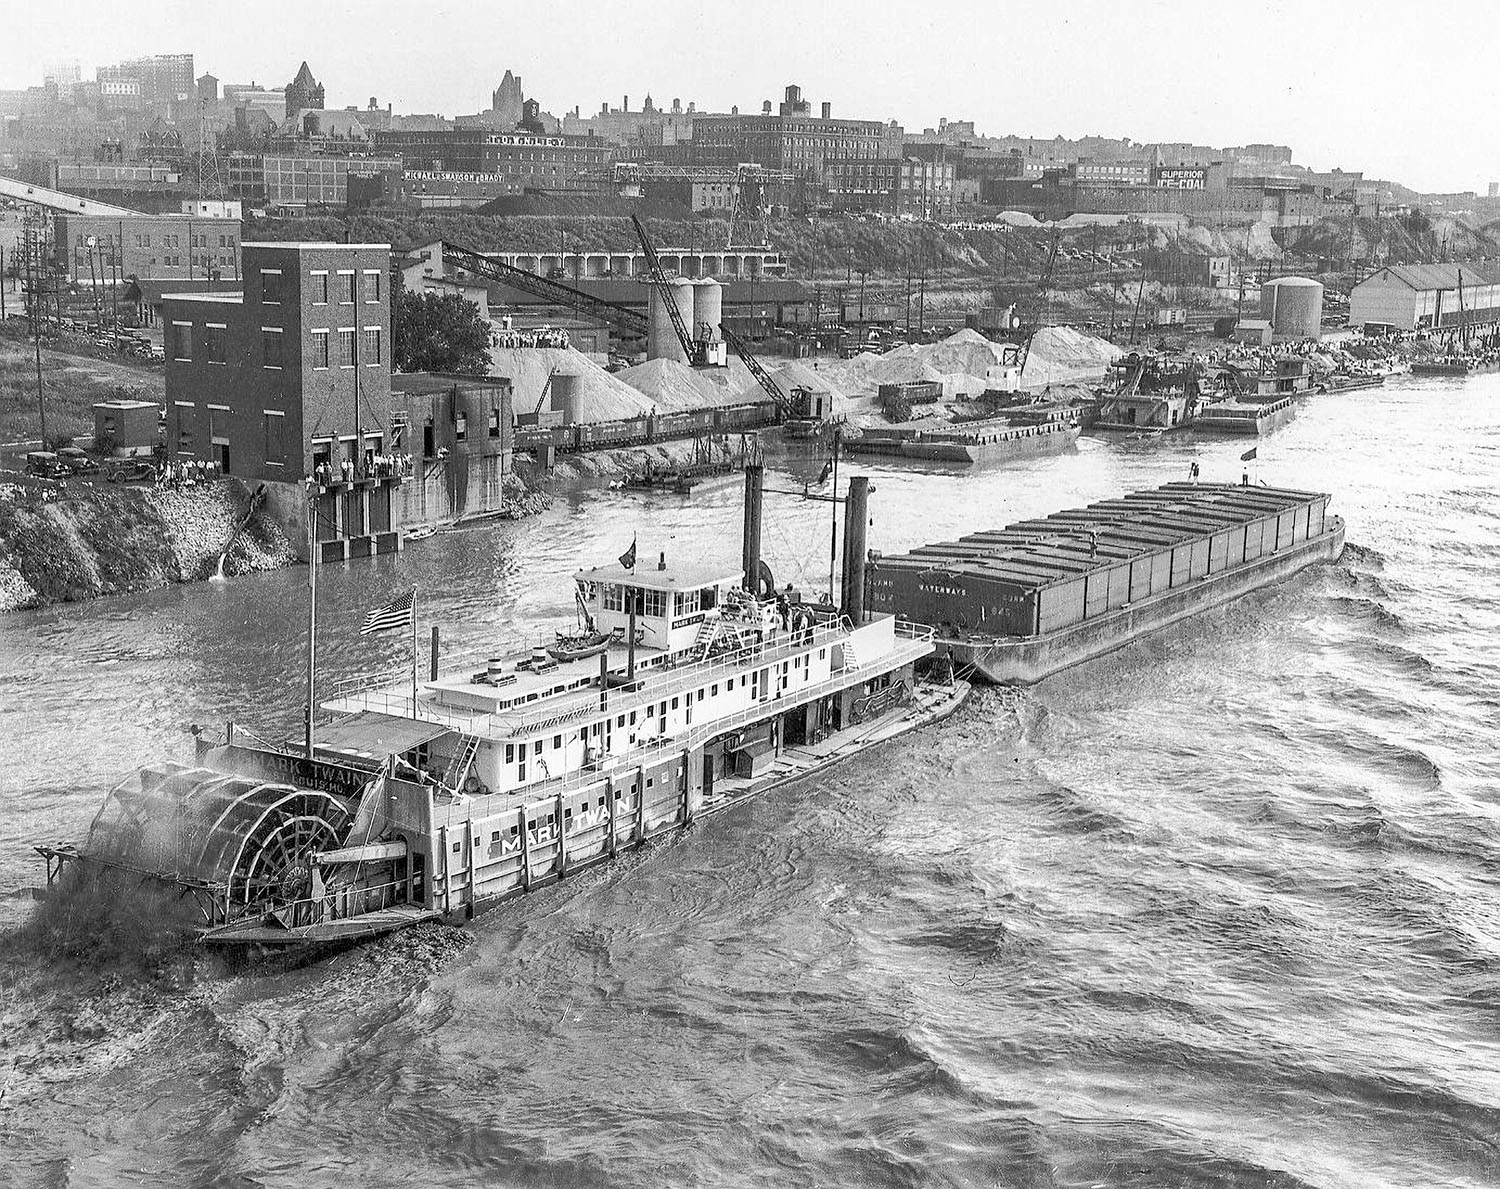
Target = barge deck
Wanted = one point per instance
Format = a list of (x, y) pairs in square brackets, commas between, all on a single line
[(1023, 602)]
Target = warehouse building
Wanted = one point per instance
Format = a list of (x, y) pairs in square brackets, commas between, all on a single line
[(1412, 297), (290, 379)]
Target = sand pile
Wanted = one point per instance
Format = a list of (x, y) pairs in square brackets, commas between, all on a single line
[(1062, 355), (602, 397), (963, 363), (674, 387), (798, 375)]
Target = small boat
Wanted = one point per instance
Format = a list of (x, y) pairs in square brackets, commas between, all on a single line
[(586, 642), (421, 531)]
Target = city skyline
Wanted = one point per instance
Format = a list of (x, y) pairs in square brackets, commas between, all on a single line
[(1268, 74)]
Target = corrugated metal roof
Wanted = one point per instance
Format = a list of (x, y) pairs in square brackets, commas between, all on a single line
[(1439, 276)]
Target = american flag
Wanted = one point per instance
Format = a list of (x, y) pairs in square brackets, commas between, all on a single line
[(395, 614)]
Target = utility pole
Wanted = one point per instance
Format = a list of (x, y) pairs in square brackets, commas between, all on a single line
[(36, 333), (90, 244)]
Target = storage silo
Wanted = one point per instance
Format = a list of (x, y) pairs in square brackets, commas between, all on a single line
[(565, 396), (661, 337), (708, 310), (1293, 306)]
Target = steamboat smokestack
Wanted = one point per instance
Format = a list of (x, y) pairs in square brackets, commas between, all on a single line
[(754, 495), (856, 518)]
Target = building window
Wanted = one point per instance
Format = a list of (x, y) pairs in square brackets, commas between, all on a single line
[(275, 440), (270, 347), (372, 346), (346, 348), (494, 423), (346, 288), (320, 288), (460, 426), (270, 287), (213, 344), (371, 285), (182, 341), (320, 349)]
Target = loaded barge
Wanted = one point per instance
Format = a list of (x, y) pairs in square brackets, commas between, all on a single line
[(434, 799), (1038, 596), (967, 443)]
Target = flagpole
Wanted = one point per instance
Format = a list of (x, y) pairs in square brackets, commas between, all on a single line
[(312, 608)]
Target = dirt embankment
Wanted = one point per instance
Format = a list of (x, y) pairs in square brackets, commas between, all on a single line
[(61, 542)]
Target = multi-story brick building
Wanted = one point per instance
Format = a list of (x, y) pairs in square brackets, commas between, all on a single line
[(820, 148), (290, 380), (147, 247), (528, 160), (299, 179)]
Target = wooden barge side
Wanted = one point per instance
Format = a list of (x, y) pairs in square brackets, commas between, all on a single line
[(1039, 595)]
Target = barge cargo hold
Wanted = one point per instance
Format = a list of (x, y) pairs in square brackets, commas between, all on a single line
[(1245, 416), (1026, 601), (966, 444)]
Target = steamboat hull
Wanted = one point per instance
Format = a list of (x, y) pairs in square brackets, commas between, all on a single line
[(1025, 661)]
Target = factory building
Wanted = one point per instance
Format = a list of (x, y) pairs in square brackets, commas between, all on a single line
[(459, 431), (290, 379), (1412, 297), (530, 161), (146, 247), (820, 147)]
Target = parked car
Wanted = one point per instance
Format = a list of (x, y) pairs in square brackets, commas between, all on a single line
[(129, 470), (76, 461), (44, 463)]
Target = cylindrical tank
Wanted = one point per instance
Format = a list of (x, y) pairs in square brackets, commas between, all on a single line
[(661, 337), (1293, 306), (565, 396), (708, 310)]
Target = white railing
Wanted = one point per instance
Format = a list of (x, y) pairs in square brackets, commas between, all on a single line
[(674, 746)]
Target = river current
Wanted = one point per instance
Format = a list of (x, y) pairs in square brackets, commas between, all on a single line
[(1218, 909)]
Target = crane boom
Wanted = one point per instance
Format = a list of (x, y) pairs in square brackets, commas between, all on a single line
[(618, 316), (762, 377), (658, 278)]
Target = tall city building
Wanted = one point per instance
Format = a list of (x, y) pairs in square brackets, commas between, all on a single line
[(506, 100), (303, 91)]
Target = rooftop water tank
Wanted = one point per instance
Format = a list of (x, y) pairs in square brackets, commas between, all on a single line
[(1293, 306)]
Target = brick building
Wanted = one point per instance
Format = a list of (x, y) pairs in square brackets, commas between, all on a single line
[(290, 379), (147, 247), (527, 160), (459, 431), (841, 155)]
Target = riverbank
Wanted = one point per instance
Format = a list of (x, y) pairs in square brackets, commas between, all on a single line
[(64, 542)]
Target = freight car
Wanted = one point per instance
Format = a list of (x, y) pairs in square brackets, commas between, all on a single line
[(644, 430)]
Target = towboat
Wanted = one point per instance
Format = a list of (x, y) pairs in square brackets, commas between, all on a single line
[(416, 799)]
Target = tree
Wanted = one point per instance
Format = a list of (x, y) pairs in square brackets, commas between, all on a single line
[(439, 332)]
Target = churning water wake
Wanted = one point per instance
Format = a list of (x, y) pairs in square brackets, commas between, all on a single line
[(1219, 909)]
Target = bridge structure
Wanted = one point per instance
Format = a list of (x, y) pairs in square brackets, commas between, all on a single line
[(58, 200)]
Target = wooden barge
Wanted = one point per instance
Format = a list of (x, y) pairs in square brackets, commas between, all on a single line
[(967, 443), (1022, 602)]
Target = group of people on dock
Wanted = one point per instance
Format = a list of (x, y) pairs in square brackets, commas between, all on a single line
[(377, 466)]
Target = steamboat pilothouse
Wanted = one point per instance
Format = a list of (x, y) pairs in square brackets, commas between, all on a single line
[(690, 688)]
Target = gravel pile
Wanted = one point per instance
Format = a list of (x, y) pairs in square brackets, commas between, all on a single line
[(601, 396), (1062, 355)]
